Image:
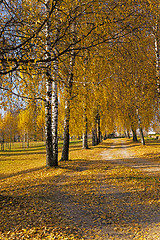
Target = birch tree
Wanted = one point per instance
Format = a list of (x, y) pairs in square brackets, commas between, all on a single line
[(68, 92), (51, 102)]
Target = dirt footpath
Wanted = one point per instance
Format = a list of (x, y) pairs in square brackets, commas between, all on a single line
[(120, 154), (102, 209)]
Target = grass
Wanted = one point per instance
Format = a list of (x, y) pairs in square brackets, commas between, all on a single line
[(33, 146), (37, 202), (18, 159)]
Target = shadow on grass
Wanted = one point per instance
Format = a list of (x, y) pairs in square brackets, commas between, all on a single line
[(33, 148), (153, 144), (4, 176), (79, 165), (19, 154), (36, 149)]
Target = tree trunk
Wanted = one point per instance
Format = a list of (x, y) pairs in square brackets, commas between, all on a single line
[(85, 120), (55, 117), (128, 135), (51, 124), (43, 131), (99, 130), (10, 144), (51, 104), (65, 151), (85, 133), (48, 129), (141, 136), (156, 42), (140, 129), (94, 133), (134, 135), (24, 140), (55, 95), (94, 136), (27, 140)]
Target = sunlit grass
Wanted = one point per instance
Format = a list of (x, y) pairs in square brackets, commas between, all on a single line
[(18, 159), (18, 146)]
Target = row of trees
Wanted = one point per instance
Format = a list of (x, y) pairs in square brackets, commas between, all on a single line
[(22, 126), (27, 125), (96, 62)]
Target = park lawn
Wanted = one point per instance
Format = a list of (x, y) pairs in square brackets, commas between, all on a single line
[(19, 160), (30, 192), (22, 160)]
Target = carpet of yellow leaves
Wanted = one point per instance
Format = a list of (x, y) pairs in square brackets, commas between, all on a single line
[(88, 197)]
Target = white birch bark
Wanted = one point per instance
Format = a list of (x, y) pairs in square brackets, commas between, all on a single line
[(140, 129), (51, 106), (137, 113), (156, 43), (85, 131), (55, 113), (55, 93), (85, 128), (48, 103)]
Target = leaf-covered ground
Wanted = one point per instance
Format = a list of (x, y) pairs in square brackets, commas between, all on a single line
[(111, 191)]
